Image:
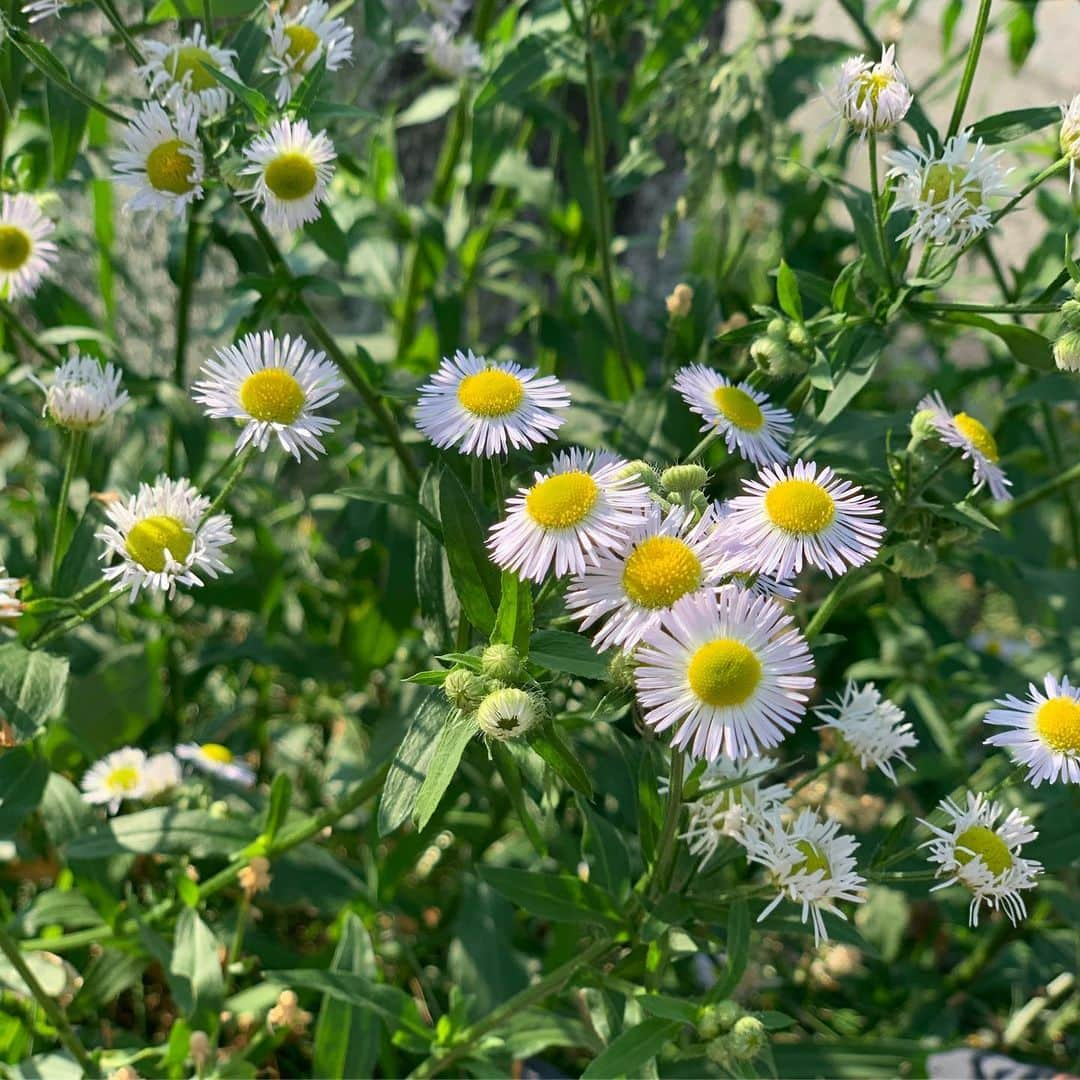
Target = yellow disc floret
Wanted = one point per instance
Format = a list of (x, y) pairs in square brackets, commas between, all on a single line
[(1058, 723), (738, 407), (659, 571), (303, 41), (169, 167), (983, 842), (193, 61), (977, 435), (491, 393), (724, 672), (943, 181), (813, 859), (216, 752), (272, 395), (123, 778), (563, 500), (800, 506), (148, 541), (870, 85), (15, 247), (291, 176)]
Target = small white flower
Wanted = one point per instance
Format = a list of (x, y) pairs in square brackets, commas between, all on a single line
[(1070, 135), (726, 672), (871, 725), (37, 10), (448, 12), (813, 864), (83, 394), (293, 169), (869, 96), (10, 605), (276, 386), (1000, 646), (297, 41), (162, 774), (1044, 731), (797, 515), (161, 159), (217, 760), (117, 776), (180, 73), (569, 517), (972, 437), (485, 408), (750, 424), (984, 857), (26, 250), (666, 557), (948, 193), (452, 58), (161, 539)]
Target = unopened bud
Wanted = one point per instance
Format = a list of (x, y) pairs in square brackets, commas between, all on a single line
[(680, 301), (641, 470), (1067, 351), (777, 329), (799, 337), (766, 352), (747, 1039), (464, 689), (199, 1049), (683, 479), (621, 670), (502, 662), (508, 713), (922, 425), (1070, 312)]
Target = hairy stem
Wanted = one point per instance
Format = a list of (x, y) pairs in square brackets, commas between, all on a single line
[(71, 460), (981, 20)]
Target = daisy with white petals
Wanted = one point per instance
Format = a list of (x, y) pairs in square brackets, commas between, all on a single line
[(180, 73), (728, 673), (872, 726), (36, 10), (976, 852), (485, 408), (791, 517), (667, 557), (161, 775), (26, 250), (869, 96), (1044, 731), (217, 760), (973, 438), (812, 863), (117, 776), (750, 424), (161, 540), (292, 169), (298, 41), (275, 386), (161, 159), (83, 394), (450, 57), (1070, 135), (10, 605), (582, 507)]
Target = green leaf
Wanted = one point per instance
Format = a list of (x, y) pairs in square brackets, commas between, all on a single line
[(1015, 124), (738, 951), (31, 688), (1026, 346), (686, 1012), (787, 292), (629, 1053), (256, 102), (1021, 30), (195, 975), (511, 778), (164, 10), (410, 764), (23, 777), (278, 808), (606, 852), (431, 105), (454, 737), (558, 897), (434, 592), (476, 580), (864, 1060), (547, 742), (514, 619), (560, 650), (163, 830), (393, 1006)]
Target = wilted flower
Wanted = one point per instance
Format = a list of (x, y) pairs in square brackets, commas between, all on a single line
[(869, 96)]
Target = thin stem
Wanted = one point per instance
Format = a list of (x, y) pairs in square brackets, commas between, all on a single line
[(981, 20), (701, 447), (666, 846), (500, 484), (821, 770), (1057, 459), (110, 12), (988, 309), (183, 319), (50, 633), (74, 445), (231, 478), (879, 212), (25, 334), (208, 19), (829, 605), (1051, 487)]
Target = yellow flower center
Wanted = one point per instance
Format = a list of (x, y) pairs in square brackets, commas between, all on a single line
[(724, 672), (123, 778), (659, 571), (945, 180), (562, 501), (800, 506), (870, 85), (169, 168), (977, 435), (272, 395), (1058, 724), (216, 752), (491, 393), (813, 859), (738, 407), (291, 176), (149, 539), (979, 840), (15, 247), (190, 59), (303, 41)]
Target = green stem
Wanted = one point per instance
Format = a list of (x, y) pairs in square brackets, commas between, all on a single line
[(1057, 459), (989, 309), (821, 770), (183, 320), (879, 212), (208, 19), (500, 484), (74, 445), (240, 462), (666, 845), (981, 20), (701, 447), (25, 334), (110, 12), (829, 605), (1051, 487), (54, 631)]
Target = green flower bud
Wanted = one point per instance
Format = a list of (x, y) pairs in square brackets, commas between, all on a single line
[(913, 560), (922, 425), (747, 1039), (621, 670), (502, 662), (464, 689), (727, 1013), (777, 329), (718, 1052), (799, 337), (766, 352), (642, 471), (700, 501), (683, 479), (1067, 351), (509, 713), (788, 364), (1070, 312)]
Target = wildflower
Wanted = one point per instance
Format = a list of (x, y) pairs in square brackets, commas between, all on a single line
[(983, 856), (117, 776), (36, 10), (569, 516), (26, 250), (1044, 731), (684, 479), (162, 774), (292, 168), (725, 672), (162, 159), (464, 689), (680, 301), (1067, 351), (10, 605), (255, 877), (217, 760), (451, 58), (502, 662), (508, 713), (1070, 135), (869, 96), (276, 387), (83, 394), (972, 437), (288, 1014), (799, 515), (162, 540), (181, 73), (298, 41), (871, 725), (485, 408)]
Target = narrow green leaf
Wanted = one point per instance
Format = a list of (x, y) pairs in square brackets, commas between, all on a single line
[(163, 830), (475, 577), (738, 951), (547, 742), (278, 808), (454, 737), (195, 975), (1015, 124), (513, 620), (787, 292), (393, 1006), (511, 778), (410, 764), (560, 650), (629, 1053), (558, 897), (1027, 346)]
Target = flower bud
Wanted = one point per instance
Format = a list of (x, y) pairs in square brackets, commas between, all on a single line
[(683, 479), (502, 662), (641, 470), (922, 425), (1070, 130), (766, 352), (718, 1053), (799, 337), (777, 330), (199, 1049), (1067, 351), (464, 689), (621, 670), (680, 301), (913, 560), (747, 1039), (508, 713), (1070, 312)]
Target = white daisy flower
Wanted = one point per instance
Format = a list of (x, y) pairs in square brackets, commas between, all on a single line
[(217, 760), (276, 386), (297, 41), (449, 12), (732, 797), (813, 864), (984, 857), (947, 193), (974, 439), (180, 73), (570, 516), (117, 776), (162, 774), (869, 96), (26, 250), (750, 423), (740, 562), (450, 57), (666, 557), (871, 725), (293, 169), (1044, 731), (1070, 135), (726, 672), (161, 159), (10, 605), (487, 407), (37, 10), (797, 515), (161, 538), (1000, 646), (83, 394)]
